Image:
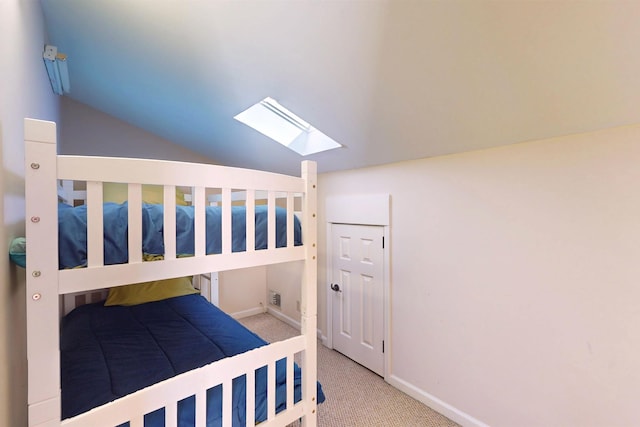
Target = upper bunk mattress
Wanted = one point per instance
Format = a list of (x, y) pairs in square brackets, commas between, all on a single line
[(72, 231), (109, 352)]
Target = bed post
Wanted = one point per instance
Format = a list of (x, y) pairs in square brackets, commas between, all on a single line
[(42, 301), (309, 297)]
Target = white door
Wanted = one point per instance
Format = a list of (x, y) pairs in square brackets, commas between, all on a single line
[(357, 292)]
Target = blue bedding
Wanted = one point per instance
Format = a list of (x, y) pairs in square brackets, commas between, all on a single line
[(72, 229), (109, 352)]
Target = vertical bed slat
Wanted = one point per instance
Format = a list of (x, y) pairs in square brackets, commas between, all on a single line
[(171, 415), (271, 390), (227, 402), (199, 202), (226, 220), (250, 205), (201, 407), (95, 227), (251, 398), (214, 289), (271, 220), (134, 198), (169, 222), (290, 215)]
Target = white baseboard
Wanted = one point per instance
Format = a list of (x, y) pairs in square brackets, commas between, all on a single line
[(434, 403), (286, 319), (323, 339), (292, 322), (247, 313)]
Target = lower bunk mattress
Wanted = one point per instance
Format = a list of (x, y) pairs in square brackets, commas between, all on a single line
[(109, 352)]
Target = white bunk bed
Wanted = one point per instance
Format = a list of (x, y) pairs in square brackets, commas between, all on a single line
[(47, 285)]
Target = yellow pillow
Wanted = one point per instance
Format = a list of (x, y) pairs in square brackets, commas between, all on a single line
[(140, 293), (153, 194)]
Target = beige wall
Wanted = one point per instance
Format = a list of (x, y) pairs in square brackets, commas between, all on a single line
[(24, 92), (243, 291), (514, 278), (286, 279)]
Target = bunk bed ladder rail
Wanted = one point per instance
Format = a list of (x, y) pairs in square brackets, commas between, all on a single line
[(42, 302), (309, 297)]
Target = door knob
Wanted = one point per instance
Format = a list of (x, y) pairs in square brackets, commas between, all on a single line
[(335, 287)]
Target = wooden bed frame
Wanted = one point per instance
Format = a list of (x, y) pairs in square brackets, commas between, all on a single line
[(47, 286)]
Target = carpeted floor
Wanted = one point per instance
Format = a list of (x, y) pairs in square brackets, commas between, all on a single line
[(355, 396)]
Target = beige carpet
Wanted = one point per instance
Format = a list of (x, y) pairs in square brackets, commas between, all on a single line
[(355, 396)]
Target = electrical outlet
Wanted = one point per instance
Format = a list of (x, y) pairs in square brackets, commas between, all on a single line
[(274, 298)]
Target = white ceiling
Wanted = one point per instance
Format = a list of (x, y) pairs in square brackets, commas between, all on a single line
[(391, 80)]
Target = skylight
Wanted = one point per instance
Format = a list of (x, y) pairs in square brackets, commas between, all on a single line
[(273, 120)]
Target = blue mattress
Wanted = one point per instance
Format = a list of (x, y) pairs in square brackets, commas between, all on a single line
[(109, 352), (72, 231)]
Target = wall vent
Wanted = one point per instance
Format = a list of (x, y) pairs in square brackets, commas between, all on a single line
[(274, 298)]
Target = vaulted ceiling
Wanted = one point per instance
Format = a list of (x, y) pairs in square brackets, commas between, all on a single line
[(391, 80)]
